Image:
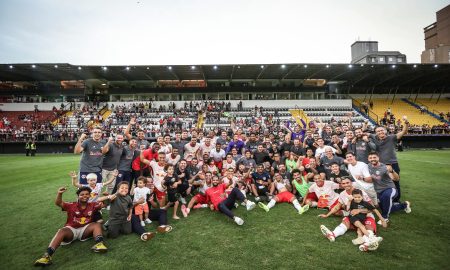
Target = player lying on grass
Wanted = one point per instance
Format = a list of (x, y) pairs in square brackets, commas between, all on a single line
[(122, 221), (79, 224), (218, 200), (284, 195)]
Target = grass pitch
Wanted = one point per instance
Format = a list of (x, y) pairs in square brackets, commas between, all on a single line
[(280, 239)]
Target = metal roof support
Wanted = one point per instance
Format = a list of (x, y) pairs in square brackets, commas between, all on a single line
[(261, 72), (231, 75), (396, 89), (289, 72), (203, 73)]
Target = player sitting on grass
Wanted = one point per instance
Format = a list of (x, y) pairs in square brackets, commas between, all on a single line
[(121, 220), (199, 200), (321, 194), (284, 195), (141, 192), (96, 188), (217, 199), (79, 224), (344, 197), (357, 219)]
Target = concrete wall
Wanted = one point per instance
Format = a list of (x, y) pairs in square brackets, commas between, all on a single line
[(29, 106)]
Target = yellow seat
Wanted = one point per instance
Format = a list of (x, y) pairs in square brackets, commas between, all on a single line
[(400, 108)]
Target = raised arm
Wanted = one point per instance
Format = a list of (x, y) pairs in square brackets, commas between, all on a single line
[(78, 148), (59, 202), (404, 130), (105, 148), (75, 182), (128, 129)]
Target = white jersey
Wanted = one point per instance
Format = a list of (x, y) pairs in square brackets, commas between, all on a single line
[(189, 151), (320, 152), (217, 156), (166, 148), (95, 192), (232, 182), (202, 189), (325, 192), (173, 161), (280, 185), (206, 148), (344, 197), (158, 175), (140, 193), (227, 165), (359, 172)]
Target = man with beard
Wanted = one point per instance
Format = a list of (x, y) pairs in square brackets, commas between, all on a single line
[(360, 173), (386, 149), (218, 200), (361, 146), (129, 154), (112, 152), (345, 225), (178, 143), (383, 177), (252, 143), (260, 155), (142, 143)]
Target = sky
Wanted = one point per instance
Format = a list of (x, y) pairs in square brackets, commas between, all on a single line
[(165, 32)]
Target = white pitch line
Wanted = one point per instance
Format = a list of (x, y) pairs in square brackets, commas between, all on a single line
[(425, 161)]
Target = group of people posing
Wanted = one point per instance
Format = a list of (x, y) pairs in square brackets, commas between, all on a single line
[(337, 167)]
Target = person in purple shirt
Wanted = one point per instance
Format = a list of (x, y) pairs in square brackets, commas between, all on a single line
[(236, 143), (297, 133)]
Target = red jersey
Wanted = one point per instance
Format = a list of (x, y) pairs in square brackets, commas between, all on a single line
[(78, 217), (136, 165), (216, 195)]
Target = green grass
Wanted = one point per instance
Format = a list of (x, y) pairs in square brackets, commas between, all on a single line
[(280, 239)]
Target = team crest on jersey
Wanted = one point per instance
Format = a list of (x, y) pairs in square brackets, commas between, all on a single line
[(264, 178), (363, 144), (90, 213), (377, 172), (77, 213)]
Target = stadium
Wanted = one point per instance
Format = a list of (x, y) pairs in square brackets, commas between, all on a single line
[(270, 165)]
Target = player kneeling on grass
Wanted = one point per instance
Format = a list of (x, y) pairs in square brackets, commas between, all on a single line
[(122, 221), (357, 219), (79, 224), (284, 195), (218, 200)]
